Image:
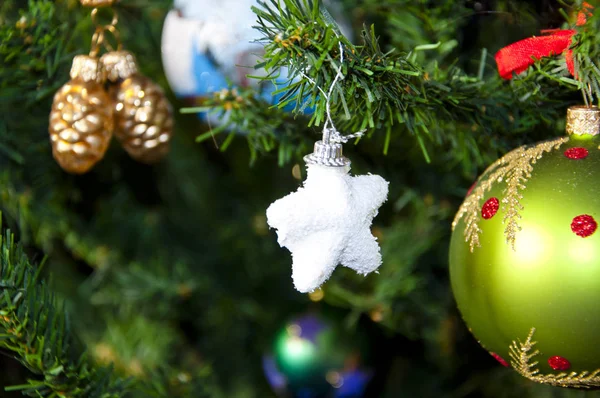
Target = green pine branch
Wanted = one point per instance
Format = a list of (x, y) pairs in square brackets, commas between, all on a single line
[(175, 383), (586, 57), (35, 330), (99, 222), (269, 128), (392, 93)]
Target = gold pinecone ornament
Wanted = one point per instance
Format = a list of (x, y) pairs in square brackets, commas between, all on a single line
[(81, 120), (143, 115), (86, 110)]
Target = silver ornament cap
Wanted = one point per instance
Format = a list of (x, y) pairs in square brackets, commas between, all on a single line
[(327, 155)]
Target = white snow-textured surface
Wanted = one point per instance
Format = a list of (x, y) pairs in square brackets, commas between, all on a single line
[(328, 222)]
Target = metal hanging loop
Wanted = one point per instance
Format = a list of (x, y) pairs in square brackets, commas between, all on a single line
[(114, 21), (117, 38), (328, 151), (97, 41)]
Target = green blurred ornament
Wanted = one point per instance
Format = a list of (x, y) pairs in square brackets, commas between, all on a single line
[(316, 357), (525, 257)]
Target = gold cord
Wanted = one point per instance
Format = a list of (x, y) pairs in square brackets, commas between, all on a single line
[(99, 39)]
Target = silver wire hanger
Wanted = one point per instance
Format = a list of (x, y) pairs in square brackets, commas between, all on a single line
[(328, 151)]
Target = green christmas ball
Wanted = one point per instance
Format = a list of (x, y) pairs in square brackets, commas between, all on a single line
[(525, 257), (315, 356)]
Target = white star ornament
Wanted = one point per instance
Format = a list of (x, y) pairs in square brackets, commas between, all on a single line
[(327, 222)]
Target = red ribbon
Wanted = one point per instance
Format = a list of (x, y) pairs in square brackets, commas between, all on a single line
[(517, 57)]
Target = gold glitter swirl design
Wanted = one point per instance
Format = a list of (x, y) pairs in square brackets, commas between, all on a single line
[(515, 169), (522, 355)]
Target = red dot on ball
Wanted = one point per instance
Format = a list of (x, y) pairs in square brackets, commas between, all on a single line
[(584, 225), (576, 153), (500, 359), (490, 208), (559, 363)]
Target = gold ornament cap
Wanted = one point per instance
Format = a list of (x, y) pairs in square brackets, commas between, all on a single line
[(97, 3), (87, 69), (583, 120), (119, 65)]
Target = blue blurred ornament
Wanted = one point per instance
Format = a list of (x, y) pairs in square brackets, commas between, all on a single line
[(210, 45), (314, 357)]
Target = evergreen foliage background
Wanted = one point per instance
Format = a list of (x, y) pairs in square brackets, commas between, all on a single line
[(170, 273)]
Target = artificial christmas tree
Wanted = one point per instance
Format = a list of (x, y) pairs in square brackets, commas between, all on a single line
[(167, 274)]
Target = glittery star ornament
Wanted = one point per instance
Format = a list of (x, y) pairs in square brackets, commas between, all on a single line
[(327, 222)]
